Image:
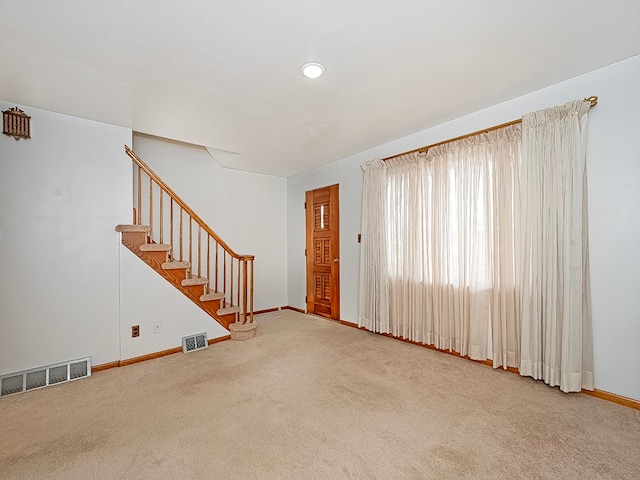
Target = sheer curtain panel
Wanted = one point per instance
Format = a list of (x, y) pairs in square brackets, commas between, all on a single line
[(556, 308), (443, 228), (374, 278)]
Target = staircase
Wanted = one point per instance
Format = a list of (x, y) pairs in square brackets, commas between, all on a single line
[(169, 237)]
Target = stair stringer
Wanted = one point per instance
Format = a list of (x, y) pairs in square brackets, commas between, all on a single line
[(133, 240)]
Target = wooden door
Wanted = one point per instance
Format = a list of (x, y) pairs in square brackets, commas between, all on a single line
[(323, 252)]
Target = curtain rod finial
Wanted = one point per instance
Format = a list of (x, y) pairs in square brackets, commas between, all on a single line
[(593, 100)]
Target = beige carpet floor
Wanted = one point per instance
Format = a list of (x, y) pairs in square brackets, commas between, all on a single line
[(311, 399)]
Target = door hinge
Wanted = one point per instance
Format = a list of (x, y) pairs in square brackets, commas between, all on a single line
[(305, 205), (305, 299), (305, 252)]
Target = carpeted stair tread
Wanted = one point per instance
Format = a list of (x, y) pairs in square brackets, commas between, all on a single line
[(133, 228), (189, 282), (212, 296), (228, 310), (175, 265), (155, 247)]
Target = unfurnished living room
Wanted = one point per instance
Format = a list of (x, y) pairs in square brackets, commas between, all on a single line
[(320, 240)]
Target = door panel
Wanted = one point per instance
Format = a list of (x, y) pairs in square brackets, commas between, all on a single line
[(323, 252)]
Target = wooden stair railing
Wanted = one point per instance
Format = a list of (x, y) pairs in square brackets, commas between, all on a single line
[(226, 271)]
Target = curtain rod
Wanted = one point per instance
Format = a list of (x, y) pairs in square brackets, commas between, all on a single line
[(593, 100)]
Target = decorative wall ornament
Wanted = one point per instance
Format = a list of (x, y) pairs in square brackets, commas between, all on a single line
[(16, 123)]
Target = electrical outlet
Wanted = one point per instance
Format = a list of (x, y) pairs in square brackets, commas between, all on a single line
[(135, 331), (157, 327)]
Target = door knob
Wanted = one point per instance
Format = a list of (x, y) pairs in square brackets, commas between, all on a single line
[(336, 260)]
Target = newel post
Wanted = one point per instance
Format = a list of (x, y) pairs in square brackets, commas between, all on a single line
[(244, 289), (245, 329), (251, 291)]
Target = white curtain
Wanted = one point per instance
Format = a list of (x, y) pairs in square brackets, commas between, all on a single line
[(374, 291), (553, 255), (438, 245), (486, 237)]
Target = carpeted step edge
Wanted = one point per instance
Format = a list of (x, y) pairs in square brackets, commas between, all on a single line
[(133, 228), (212, 296), (190, 282), (155, 247), (175, 265), (228, 310)]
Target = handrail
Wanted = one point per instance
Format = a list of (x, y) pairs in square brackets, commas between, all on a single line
[(183, 205)]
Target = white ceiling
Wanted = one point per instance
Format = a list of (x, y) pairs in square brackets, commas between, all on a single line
[(226, 74)]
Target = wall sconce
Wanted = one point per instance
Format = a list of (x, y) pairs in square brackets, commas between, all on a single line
[(16, 123)]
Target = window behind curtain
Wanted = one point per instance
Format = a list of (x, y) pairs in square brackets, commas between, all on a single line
[(450, 243)]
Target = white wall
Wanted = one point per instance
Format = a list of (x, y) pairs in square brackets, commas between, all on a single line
[(614, 205), (146, 298), (61, 194), (247, 210)]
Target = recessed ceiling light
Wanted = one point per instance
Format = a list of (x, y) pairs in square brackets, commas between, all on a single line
[(312, 70)]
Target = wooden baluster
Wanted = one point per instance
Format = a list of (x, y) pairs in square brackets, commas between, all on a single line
[(139, 195), (180, 233), (224, 273), (199, 255), (231, 281), (171, 227), (208, 259), (190, 245), (161, 215), (151, 206), (251, 291), (238, 294), (216, 269), (244, 291)]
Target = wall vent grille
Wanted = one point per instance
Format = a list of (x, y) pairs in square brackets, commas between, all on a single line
[(44, 376), (191, 343)]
